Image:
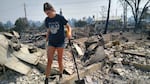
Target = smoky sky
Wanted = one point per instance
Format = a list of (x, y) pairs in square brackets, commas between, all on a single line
[(13, 9)]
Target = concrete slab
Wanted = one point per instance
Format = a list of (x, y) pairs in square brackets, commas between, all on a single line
[(16, 65), (70, 79), (78, 49)]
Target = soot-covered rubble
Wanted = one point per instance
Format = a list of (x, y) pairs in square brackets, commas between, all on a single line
[(114, 58)]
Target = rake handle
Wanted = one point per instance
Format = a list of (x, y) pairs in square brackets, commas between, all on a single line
[(74, 59)]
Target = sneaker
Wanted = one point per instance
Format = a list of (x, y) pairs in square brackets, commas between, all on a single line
[(46, 81)]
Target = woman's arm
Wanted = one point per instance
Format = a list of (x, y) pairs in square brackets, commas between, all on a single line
[(47, 34), (69, 32)]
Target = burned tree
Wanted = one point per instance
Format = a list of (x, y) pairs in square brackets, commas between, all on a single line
[(108, 13), (125, 6), (135, 6), (103, 12)]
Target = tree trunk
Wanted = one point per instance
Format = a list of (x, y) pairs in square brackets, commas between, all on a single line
[(124, 15), (137, 24), (108, 13)]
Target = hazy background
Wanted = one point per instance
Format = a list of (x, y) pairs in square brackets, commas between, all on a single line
[(13, 9)]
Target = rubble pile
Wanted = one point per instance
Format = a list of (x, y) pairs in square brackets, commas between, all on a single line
[(31, 61), (108, 59), (36, 38), (126, 63), (80, 33), (18, 57)]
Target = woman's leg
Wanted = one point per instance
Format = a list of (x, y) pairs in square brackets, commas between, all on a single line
[(50, 55), (60, 52)]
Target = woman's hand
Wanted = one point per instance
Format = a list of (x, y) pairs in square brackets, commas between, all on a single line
[(47, 34), (46, 37), (69, 33)]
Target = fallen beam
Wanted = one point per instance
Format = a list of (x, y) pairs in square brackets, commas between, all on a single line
[(71, 78), (133, 53), (142, 66)]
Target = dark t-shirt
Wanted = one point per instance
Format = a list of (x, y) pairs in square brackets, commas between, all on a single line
[(56, 25)]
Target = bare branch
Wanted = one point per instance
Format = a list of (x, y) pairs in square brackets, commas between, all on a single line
[(137, 7), (133, 1), (144, 9), (148, 6), (146, 3), (131, 8), (121, 1)]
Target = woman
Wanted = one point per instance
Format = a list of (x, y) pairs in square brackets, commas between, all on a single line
[(55, 36)]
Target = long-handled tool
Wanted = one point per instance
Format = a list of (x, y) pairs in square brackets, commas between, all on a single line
[(79, 81)]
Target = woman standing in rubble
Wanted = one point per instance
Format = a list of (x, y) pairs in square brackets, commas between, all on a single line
[(55, 36)]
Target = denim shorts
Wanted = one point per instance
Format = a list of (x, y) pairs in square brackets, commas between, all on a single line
[(57, 45)]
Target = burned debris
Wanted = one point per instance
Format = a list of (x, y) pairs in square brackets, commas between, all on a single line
[(112, 58)]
